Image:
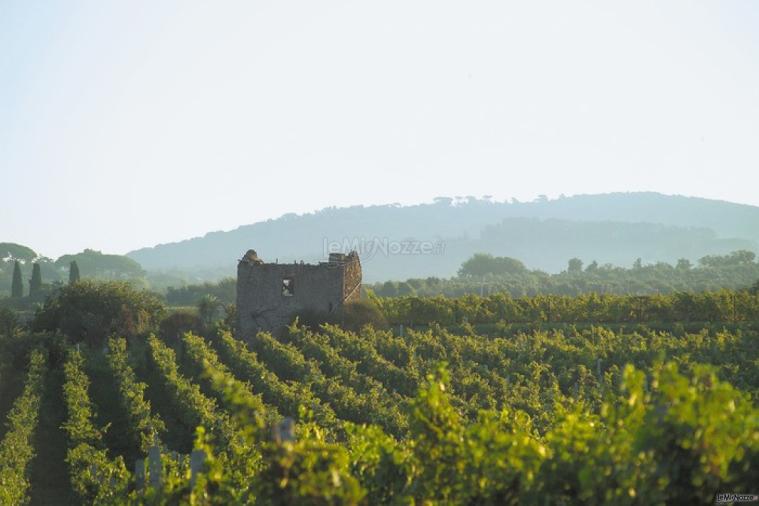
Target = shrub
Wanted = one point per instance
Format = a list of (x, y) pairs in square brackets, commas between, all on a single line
[(174, 326), (352, 316), (92, 311), (357, 314), (8, 322)]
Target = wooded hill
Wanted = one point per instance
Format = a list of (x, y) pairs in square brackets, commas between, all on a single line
[(613, 228)]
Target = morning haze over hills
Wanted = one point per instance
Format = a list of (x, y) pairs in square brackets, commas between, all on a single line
[(614, 228), (434, 239)]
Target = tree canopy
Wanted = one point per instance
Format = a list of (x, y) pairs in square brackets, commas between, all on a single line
[(17, 285), (94, 264), (92, 311), (486, 274), (74, 275), (482, 264), (35, 284), (13, 251)]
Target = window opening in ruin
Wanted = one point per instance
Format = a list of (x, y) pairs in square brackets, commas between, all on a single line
[(288, 287)]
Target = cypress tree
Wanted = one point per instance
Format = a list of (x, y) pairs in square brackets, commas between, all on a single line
[(17, 287), (35, 284), (73, 273)]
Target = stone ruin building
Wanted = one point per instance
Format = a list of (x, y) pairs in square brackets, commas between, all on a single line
[(270, 295)]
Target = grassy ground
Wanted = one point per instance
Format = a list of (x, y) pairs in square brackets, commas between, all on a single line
[(109, 412), (49, 472), (178, 437)]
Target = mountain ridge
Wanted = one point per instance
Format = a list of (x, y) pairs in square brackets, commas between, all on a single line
[(307, 236)]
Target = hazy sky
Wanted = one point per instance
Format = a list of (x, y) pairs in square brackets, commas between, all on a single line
[(125, 124)]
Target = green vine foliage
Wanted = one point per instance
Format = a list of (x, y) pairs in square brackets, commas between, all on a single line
[(572, 416), (95, 477), (146, 427), (660, 438), (17, 447), (192, 405), (725, 306), (289, 397)]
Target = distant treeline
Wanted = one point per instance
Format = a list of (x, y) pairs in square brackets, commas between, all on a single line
[(53, 273), (94, 265), (485, 274), (225, 291)]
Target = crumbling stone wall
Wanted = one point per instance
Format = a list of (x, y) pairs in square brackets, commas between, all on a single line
[(352, 278), (269, 296)]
